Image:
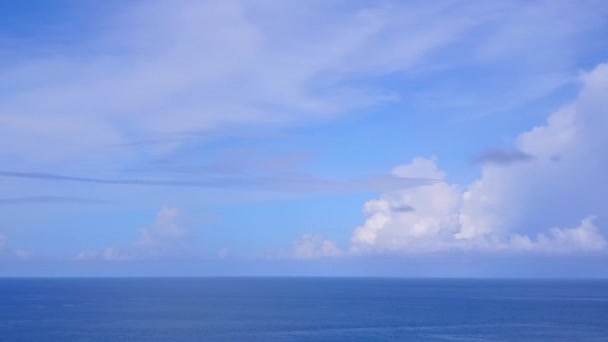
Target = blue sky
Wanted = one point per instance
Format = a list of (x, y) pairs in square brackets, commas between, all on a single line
[(393, 138)]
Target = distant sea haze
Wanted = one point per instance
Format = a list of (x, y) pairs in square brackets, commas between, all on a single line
[(302, 309)]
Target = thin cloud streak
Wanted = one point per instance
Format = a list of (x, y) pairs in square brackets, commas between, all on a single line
[(299, 184), (51, 200)]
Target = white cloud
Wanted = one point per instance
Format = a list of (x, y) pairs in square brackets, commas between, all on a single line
[(311, 246), (432, 215), (565, 182), (585, 237), (165, 238), (165, 230)]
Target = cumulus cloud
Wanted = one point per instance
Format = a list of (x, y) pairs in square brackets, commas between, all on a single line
[(585, 237), (163, 239), (435, 215), (311, 246), (510, 208)]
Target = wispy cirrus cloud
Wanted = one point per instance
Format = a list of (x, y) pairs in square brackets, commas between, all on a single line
[(51, 200), (164, 67)]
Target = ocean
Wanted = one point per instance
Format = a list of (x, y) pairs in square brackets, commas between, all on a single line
[(302, 309)]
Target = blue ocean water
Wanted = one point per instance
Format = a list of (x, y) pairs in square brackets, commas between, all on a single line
[(302, 309)]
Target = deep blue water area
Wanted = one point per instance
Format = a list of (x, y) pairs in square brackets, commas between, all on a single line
[(302, 309)]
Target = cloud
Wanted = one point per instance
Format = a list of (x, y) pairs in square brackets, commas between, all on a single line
[(506, 206), (203, 53), (155, 71), (503, 157), (288, 183), (165, 230), (50, 200), (585, 237), (314, 247), (157, 68), (7, 252), (434, 215), (164, 239)]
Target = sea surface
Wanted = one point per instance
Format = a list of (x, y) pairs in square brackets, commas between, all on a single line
[(302, 309)]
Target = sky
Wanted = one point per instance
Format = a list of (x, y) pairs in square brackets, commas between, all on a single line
[(442, 138)]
